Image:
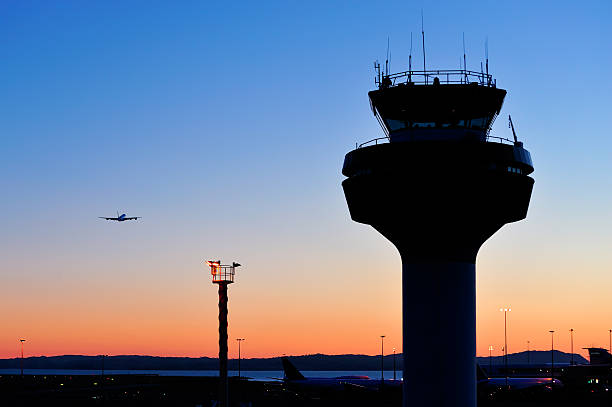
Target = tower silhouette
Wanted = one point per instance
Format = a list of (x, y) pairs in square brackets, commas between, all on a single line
[(438, 186)]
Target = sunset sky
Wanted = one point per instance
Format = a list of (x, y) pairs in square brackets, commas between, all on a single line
[(225, 125)]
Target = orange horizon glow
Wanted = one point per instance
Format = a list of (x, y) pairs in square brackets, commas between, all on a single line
[(315, 311)]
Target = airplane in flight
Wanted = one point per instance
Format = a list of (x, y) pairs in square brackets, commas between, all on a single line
[(121, 218)]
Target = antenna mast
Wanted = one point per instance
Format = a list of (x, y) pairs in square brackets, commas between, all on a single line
[(387, 61), (487, 59), (481, 73), (377, 78), (410, 60), (464, 64), (512, 127), (423, 34)]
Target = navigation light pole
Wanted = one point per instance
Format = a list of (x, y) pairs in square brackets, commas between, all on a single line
[(506, 310), (382, 359), (22, 341), (223, 275), (239, 341), (572, 345), (552, 356)]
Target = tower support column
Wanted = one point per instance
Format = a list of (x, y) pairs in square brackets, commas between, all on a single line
[(223, 386), (439, 333)]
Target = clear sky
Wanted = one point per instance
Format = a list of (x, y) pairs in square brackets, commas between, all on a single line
[(224, 125)]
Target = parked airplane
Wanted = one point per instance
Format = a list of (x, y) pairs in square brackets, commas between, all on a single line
[(515, 383), (121, 218), (295, 380), (599, 356)]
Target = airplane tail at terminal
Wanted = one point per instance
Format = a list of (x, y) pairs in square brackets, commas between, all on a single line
[(599, 356), (481, 374), (291, 372)]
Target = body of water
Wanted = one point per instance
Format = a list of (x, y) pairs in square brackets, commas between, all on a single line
[(260, 375)]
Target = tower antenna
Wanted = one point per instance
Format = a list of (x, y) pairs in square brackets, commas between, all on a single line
[(410, 60), (481, 73), (512, 127), (423, 34), (377, 79), (487, 59), (387, 61), (464, 64)]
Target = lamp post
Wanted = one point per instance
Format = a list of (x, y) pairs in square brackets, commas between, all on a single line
[(552, 355), (239, 341), (22, 341), (490, 359), (572, 346), (393, 364), (382, 359), (505, 311), (223, 275), (610, 349), (528, 360)]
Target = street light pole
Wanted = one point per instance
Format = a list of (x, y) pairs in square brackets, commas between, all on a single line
[(239, 341), (506, 310), (572, 346), (490, 359), (393, 364), (610, 349), (382, 359), (22, 341), (528, 360), (552, 355)]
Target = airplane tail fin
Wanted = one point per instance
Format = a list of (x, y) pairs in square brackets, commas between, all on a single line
[(599, 356), (480, 373), (291, 372)]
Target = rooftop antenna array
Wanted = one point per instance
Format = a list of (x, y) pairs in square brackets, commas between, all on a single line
[(423, 34)]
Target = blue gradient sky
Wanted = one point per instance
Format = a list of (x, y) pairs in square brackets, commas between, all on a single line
[(225, 128)]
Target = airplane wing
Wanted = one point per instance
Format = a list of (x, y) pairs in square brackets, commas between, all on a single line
[(133, 218), (354, 386), (102, 217)]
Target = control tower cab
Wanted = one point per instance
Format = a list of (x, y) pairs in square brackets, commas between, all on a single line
[(438, 185)]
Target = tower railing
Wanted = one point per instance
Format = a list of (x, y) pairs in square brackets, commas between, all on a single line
[(384, 140), (445, 76), (222, 273)]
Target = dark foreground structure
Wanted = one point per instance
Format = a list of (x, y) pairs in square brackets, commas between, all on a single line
[(152, 390), (438, 186)]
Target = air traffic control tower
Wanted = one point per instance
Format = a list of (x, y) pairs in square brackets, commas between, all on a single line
[(438, 186)]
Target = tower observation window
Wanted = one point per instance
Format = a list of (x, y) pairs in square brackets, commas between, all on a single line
[(481, 123)]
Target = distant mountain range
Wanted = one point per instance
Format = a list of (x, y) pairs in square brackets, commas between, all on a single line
[(534, 357), (304, 362)]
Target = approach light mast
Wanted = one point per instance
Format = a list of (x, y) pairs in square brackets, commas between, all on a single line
[(222, 275)]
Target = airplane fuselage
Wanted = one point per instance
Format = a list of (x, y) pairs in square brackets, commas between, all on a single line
[(314, 384)]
